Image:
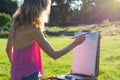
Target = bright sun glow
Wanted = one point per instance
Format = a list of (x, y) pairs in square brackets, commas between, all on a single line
[(118, 0)]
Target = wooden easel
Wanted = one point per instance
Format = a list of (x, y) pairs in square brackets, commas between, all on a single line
[(85, 59)]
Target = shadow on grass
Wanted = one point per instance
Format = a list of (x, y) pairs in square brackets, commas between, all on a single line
[(59, 33), (47, 33), (3, 35), (2, 63), (101, 72), (113, 58), (3, 75)]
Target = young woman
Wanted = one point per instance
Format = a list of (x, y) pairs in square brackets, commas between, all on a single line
[(26, 39)]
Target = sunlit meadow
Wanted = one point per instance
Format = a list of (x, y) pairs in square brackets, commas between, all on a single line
[(109, 52)]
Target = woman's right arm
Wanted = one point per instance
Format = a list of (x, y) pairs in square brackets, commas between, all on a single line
[(47, 48), (9, 46)]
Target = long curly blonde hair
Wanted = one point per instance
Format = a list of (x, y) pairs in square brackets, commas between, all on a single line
[(33, 12)]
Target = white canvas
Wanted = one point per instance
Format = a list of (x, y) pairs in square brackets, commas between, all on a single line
[(84, 55)]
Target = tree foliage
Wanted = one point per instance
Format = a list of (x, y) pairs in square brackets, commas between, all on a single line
[(107, 9), (5, 20), (95, 11), (8, 6), (60, 12), (74, 12)]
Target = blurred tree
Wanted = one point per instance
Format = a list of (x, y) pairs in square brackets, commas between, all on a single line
[(59, 12), (62, 12), (8, 6), (5, 21), (83, 16), (107, 9), (95, 11), (87, 7)]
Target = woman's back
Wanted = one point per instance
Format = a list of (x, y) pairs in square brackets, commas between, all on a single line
[(23, 36), (26, 54)]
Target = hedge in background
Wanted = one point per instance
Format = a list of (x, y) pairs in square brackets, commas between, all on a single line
[(5, 21)]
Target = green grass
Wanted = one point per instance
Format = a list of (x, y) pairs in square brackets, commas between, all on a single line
[(109, 58), (4, 63)]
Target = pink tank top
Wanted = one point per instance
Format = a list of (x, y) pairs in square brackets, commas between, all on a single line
[(26, 62)]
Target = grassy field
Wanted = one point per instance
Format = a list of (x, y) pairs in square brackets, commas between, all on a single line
[(109, 57)]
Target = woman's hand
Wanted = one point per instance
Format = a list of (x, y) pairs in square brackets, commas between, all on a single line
[(79, 39)]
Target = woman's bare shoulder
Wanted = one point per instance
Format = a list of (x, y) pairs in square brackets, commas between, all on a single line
[(37, 34), (36, 30)]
